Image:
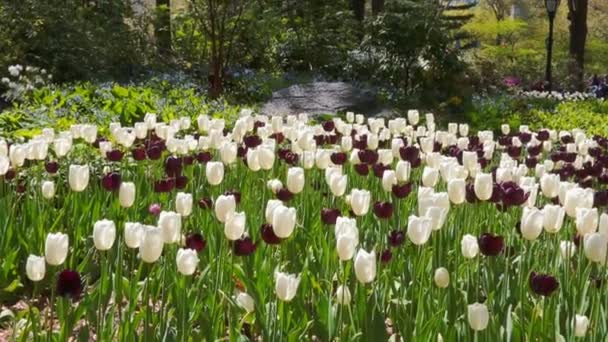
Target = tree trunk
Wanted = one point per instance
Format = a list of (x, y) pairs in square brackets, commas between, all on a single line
[(578, 36), (358, 7), (162, 27), (377, 7)]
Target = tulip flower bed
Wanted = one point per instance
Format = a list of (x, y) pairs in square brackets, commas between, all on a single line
[(285, 229)]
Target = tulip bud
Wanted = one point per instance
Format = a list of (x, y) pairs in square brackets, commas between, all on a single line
[(170, 224), (234, 227), (442, 277), (35, 268), (567, 249), (577, 198), (581, 323), (389, 178), (483, 186), (274, 185), (505, 129), (266, 158), (48, 189), (553, 218), (214, 171), (183, 203), (186, 260), (78, 176), (286, 285), (419, 229), (126, 194), (586, 220), (347, 237), (457, 190), (56, 248), (104, 234), (295, 180), (437, 215), (549, 185), (478, 316), (365, 266), (603, 224), (228, 152), (596, 246), (245, 301), (531, 223), (151, 245), (413, 116), (343, 296), (359, 201), (224, 205), (430, 176), (469, 246)]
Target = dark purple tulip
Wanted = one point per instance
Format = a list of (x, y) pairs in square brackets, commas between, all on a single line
[(10, 174), (512, 194), (188, 160), (474, 142), (383, 209), (338, 158), (369, 157), (386, 256), (570, 157), (490, 245), (114, 155), (138, 154), (203, 157), (543, 284), (291, 158), (154, 209), (111, 181), (362, 169), (330, 215), (164, 185), (236, 194), (603, 179), (269, 236), (531, 162), (333, 138), (258, 124), (505, 140), (525, 137), (416, 163), (244, 246), (20, 188), (181, 182), (470, 193), (196, 241), (284, 195), (409, 153), (379, 170), (360, 143), (514, 151), (396, 238), (534, 150), (567, 139), (402, 190), (278, 137), (542, 135), (252, 141), (329, 125), (69, 284), (51, 167), (205, 203), (173, 166), (595, 152), (154, 152), (600, 198), (320, 139)]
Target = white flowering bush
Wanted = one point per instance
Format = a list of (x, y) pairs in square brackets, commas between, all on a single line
[(23, 80)]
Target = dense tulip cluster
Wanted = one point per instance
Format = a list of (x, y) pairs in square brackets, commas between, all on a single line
[(271, 215)]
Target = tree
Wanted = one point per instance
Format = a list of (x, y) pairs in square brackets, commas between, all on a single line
[(220, 20), (162, 27), (377, 6), (358, 7), (577, 14)]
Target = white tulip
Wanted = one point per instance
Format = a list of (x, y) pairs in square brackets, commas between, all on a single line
[(478, 316), (126, 194), (133, 234), (337, 184), (549, 185), (419, 229), (214, 172), (553, 218), (586, 220), (170, 224), (35, 268), (78, 176), (183, 203), (286, 285), (48, 189), (430, 176), (567, 249), (343, 296), (389, 179), (359, 201), (531, 223), (457, 190), (151, 245), (245, 301), (469, 246), (283, 221), (595, 246), (365, 266), (224, 205), (578, 198), (295, 180), (442, 277), (402, 171), (104, 234), (234, 227), (483, 186), (603, 224), (56, 248), (581, 323), (186, 260)]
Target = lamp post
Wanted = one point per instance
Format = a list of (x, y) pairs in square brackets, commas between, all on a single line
[(551, 6)]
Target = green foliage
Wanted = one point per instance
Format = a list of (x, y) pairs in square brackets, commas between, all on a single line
[(59, 107)]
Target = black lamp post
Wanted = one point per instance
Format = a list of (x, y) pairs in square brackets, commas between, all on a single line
[(551, 6)]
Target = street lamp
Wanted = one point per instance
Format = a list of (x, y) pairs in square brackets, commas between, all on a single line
[(551, 6)]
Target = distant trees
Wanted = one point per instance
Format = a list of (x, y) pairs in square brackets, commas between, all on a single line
[(577, 15)]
